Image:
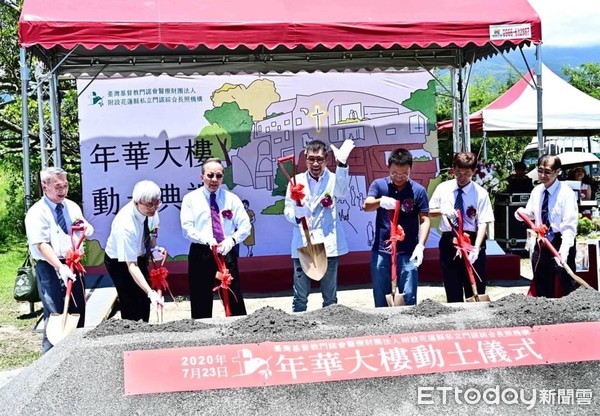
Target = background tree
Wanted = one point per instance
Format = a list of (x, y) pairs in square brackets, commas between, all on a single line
[(585, 77)]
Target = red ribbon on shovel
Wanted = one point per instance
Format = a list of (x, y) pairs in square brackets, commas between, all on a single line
[(463, 246), (396, 235), (225, 278), (73, 257), (541, 239), (158, 281)]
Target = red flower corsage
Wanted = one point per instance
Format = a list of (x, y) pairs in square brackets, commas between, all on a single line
[(227, 214), (327, 201), (471, 212)]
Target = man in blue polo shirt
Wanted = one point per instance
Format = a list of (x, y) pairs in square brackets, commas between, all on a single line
[(414, 220)]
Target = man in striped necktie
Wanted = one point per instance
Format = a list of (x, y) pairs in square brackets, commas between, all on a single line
[(553, 204)]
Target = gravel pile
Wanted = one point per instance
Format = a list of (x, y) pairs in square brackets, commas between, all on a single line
[(84, 374)]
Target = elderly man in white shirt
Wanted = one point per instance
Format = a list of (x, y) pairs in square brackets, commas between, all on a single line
[(213, 216), (554, 204), (48, 225), (132, 238)]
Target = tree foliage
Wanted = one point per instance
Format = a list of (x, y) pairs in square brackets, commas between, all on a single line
[(585, 77)]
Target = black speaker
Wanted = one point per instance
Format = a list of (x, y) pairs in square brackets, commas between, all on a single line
[(509, 233)]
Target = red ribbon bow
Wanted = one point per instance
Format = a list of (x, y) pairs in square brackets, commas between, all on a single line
[(396, 235), (158, 277), (73, 260), (297, 193), (462, 243), (225, 278)]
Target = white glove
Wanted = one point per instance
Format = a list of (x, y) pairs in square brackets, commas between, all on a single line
[(564, 254), (89, 230), (473, 255), (386, 202), (302, 211), (449, 212), (158, 253), (156, 300), (523, 211), (341, 154), (65, 273), (225, 246), (417, 255)]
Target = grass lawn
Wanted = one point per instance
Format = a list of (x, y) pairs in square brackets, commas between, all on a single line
[(19, 345)]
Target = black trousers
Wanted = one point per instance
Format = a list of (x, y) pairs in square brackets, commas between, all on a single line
[(202, 270), (545, 270), (134, 302), (456, 280)]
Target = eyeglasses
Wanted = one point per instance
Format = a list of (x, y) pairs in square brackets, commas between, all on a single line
[(313, 159), (213, 175), (152, 205), (399, 175), (541, 171)]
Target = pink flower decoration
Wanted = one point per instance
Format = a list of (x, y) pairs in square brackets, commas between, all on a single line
[(327, 201), (471, 212), (407, 205), (227, 214)]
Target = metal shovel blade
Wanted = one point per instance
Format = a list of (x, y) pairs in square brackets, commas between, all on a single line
[(60, 325), (478, 298), (313, 260), (394, 299)]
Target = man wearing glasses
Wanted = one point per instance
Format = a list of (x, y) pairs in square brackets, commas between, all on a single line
[(131, 241), (553, 204), (414, 220), (322, 188), (462, 194), (213, 216)]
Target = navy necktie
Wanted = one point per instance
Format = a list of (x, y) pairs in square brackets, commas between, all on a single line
[(60, 218), (146, 237), (545, 211), (458, 205), (216, 219)]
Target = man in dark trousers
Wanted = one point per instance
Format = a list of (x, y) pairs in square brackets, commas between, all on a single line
[(554, 204), (48, 225), (464, 195), (213, 216)]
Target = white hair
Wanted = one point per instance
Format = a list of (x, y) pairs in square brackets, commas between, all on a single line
[(47, 174), (146, 191)]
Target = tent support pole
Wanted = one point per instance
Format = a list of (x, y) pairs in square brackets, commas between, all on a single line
[(25, 126), (455, 106), (538, 87)]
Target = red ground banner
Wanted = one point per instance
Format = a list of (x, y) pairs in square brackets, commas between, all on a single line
[(277, 363)]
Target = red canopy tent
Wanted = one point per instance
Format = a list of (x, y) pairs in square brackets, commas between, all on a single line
[(224, 35), (217, 36)]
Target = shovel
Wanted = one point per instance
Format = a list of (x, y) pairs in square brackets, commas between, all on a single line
[(61, 325), (393, 298), (541, 235), (313, 257), (461, 244)]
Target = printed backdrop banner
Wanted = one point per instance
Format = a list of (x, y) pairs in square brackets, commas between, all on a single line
[(163, 128)]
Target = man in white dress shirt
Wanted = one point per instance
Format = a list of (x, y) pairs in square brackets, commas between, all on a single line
[(213, 216), (128, 249), (464, 195), (554, 204), (48, 226)]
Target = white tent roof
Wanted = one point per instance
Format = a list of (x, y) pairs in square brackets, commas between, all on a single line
[(567, 111)]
